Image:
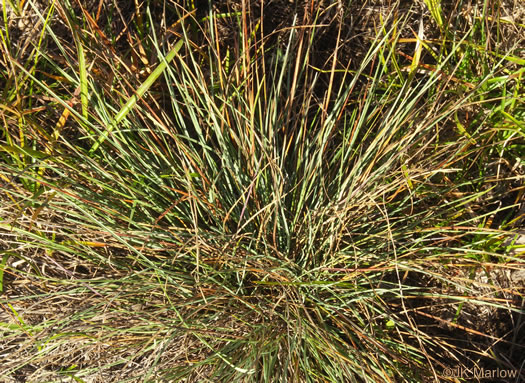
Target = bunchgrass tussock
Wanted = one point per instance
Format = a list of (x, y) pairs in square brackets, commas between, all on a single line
[(261, 191)]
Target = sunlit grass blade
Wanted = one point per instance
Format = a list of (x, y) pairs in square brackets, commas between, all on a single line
[(141, 90)]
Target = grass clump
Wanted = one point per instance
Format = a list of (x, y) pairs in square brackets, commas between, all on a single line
[(317, 192)]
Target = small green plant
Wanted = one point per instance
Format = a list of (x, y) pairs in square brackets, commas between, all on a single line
[(244, 206)]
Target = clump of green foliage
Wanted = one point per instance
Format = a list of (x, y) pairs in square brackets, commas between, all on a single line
[(192, 193)]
